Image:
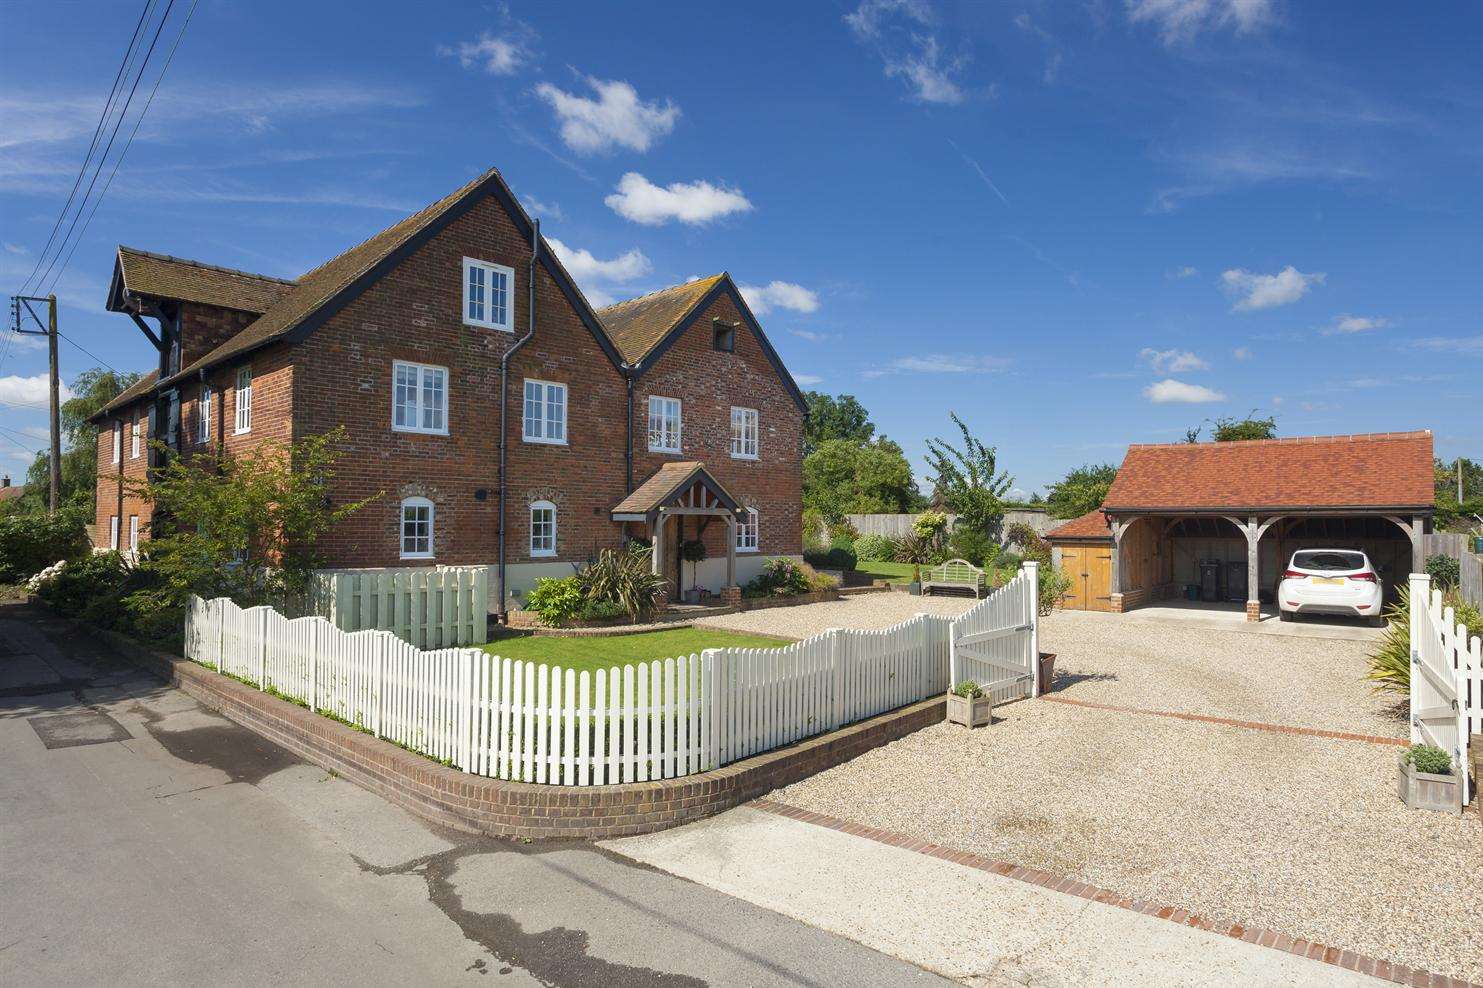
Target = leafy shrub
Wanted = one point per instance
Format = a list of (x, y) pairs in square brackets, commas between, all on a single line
[(1053, 586), (1031, 544), (1464, 613), (1444, 570), (843, 528), (602, 610), (973, 545), (837, 557), (785, 578), (557, 601), (875, 548), (1008, 560), (813, 528), (693, 550), (30, 543), (1430, 759), (95, 579), (624, 577), (1390, 662), (929, 524), (968, 689)]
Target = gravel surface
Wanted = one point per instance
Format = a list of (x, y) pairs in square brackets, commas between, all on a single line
[(867, 610), (1301, 835)]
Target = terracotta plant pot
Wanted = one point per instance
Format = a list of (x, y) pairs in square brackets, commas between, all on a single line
[(1424, 791), (1047, 670), (973, 712)]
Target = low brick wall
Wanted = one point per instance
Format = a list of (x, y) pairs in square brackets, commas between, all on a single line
[(475, 804)]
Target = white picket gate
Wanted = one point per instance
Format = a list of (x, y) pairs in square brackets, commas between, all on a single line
[(533, 722), (997, 643), (1446, 676), (429, 606)]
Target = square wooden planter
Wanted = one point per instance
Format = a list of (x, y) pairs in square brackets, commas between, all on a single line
[(970, 713), (1424, 791)]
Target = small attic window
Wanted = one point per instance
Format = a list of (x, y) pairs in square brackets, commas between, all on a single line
[(724, 336)]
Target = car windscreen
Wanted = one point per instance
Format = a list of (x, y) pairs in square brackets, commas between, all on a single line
[(1328, 561)]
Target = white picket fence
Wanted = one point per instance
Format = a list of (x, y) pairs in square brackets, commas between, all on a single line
[(997, 643), (430, 607), (533, 722), (1446, 676)]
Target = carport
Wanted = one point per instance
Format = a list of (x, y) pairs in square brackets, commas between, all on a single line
[(1219, 521)]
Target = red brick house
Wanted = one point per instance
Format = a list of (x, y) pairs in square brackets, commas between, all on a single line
[(427, 339), (1225, 518)]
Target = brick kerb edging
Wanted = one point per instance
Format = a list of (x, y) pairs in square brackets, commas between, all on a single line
[(1250, 725), (498, 808), (1347, 959)]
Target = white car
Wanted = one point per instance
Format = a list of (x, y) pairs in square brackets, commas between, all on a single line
[(1331, 581)]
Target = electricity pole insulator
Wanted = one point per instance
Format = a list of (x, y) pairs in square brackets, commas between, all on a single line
[(54, 466)]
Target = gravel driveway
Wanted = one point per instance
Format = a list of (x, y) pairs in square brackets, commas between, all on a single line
[(1300, 834), (866, 610)]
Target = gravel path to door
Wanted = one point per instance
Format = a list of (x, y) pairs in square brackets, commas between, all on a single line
[(867, 610), (1299, 834)]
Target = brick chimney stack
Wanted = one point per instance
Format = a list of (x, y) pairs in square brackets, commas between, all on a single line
[(5, 481)]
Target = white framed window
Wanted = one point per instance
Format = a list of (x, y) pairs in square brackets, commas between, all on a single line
[(486, 295), (743, 433), (419, 398), (118, 441), (542, 528), (203, 415), (747, 529), (133, 533), (545, 412), (113, 531), (244, 400), (417, 528), (134, 438), (664, 424)]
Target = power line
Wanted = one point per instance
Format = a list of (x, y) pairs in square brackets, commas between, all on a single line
[(87, 351), (127, 144), (109, 146), (82, 170)]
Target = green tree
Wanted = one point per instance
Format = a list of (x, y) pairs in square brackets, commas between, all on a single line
[(1082, 490), (1450, 512), (1230, 429), (968, 480), (92, 389), (245, 526), (835, 418), (844, 477)]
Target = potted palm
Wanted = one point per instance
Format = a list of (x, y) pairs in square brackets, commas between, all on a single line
[(969, 705), (1426, 780), (915, 586)]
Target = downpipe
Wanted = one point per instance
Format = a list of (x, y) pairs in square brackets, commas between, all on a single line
[(501, 616)]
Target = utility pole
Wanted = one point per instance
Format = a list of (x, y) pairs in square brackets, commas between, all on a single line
[(1459, 480), (53, 387)]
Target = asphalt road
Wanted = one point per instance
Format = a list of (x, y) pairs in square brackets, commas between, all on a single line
[(147, 840)]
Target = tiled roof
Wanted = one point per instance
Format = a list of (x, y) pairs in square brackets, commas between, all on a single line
[(125, 397), (1092, 525), (640, 324), (322, 284), (1388, 469), (668, 481), (164, 276), (11, 493)]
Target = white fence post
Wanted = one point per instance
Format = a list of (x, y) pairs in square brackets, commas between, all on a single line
[(1032, 578), (262, 655), (314, 666), (1420, 594), (836, 665)]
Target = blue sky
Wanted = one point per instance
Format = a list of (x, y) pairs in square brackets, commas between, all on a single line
[(1076, 224)]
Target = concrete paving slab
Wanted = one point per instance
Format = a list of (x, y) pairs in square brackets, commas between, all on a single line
[(964, 923)]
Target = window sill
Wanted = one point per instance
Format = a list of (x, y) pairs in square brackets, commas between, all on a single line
[(489, 325), (745, 456), (743, 552), (406, 430), (416, 555), (667, 452), (242, 432), (543, 442), (543, 555)]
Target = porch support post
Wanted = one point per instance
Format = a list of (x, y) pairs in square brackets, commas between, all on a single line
[(1253, 569), (656, 559), (1115, 580), (730, 550)]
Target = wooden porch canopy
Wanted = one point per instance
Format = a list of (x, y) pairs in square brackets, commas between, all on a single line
[(679, 490)]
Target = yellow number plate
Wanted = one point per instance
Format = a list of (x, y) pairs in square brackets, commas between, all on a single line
[(1329, 581)]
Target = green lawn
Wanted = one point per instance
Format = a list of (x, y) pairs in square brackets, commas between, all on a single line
[(616, 650), (885, 571)]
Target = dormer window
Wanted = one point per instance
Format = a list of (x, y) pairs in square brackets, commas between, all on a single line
[(723, 336), (486, 295)]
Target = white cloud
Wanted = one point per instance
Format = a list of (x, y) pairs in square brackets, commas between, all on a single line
[(779, 295), (1172, 361), (941, 363), (23, 343), (1182, 20), (1266, 291), (497, 54), (545, 210), (617, 117), (811, 336), (1242, 353), (15, 249), (900, 31), (1451, 344), (16, 390), (694, 203), (807, 380), (1170, 390), (1354, 324), (1179, 274), (582, 264)]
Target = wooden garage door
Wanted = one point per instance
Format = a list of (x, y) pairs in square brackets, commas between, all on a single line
[(1090, 569)]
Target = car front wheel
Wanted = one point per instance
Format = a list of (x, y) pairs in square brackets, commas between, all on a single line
[(1285, 615)]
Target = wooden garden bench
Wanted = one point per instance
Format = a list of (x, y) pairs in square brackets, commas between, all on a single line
[(955, 574)]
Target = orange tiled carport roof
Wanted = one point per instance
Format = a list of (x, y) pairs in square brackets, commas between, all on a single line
[(1365, 472), (1090, 527)]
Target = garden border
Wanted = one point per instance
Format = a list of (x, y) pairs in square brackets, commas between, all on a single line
[(477, 804)]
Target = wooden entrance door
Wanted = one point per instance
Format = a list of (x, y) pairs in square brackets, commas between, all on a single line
[(1090, 569)]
